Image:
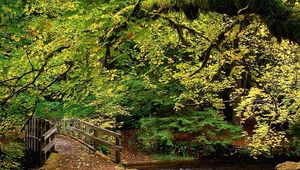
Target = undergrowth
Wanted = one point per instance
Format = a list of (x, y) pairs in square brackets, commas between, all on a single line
[(207, 133)]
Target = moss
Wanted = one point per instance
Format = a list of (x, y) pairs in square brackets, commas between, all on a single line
[(53, 161), (156, 4)]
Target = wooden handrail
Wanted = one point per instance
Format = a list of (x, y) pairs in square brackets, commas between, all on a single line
[(49, 146), (78, 129), (103, 142), (49, 132), (102, 130)]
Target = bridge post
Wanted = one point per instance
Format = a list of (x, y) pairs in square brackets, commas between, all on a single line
[(96, 135), (42, 155), (80, 128), (72, 124), (88, 131), (118, 151)]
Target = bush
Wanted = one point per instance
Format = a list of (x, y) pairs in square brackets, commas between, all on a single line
[(146, 99), (10, 127), (104, 150), (11, 155), (295, 141), (49, 110), (208, 130)]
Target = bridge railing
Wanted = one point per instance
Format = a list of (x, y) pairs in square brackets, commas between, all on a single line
[(93, 136), (39, 140)]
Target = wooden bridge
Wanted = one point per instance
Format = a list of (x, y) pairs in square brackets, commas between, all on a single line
[(40, 138)]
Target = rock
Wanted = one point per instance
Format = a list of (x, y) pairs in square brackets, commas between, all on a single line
[(288, 166)]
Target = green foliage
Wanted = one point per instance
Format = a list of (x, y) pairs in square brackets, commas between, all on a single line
[(284, 25), (147, 99), (99, 61), (171, 157), (11, 152), (49, 110), (295, 142), (295, 130), (42, 64), (10, 127), (104, 149), (158, 134), (11, 155)]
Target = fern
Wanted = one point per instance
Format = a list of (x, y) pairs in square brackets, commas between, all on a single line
[(157, 133)]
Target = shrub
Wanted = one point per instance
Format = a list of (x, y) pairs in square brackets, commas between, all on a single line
[(11, 155), (208, 130), (147, 99), (295, 141), (10, 127), (104, 150)]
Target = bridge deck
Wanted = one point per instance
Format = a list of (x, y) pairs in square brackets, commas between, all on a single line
[(71, 154)]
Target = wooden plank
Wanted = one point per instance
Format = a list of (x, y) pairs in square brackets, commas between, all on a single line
[(49, 132), (73, 124), (67, 130), (34, 134), (67, 124), (101, 141), (25, 140), (79, 127), (39, 135), (30, 141), (47, 128), (43, 142), (118, 152), (28, 134), (49, 146), (102, 130), (87, 131), (58, 125), (62, 124), (96, 135)]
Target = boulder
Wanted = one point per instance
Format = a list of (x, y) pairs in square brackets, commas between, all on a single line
[(288, 166)]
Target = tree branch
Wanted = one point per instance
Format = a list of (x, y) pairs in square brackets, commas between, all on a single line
[(282, 21), (26, 86)]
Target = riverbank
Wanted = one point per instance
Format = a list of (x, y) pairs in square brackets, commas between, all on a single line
[(133, 159)]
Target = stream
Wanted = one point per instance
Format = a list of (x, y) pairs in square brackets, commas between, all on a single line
[(212, 167)]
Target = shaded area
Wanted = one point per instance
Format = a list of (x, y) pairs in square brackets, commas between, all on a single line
[(130, 154), (210, 167), (134, 159), (71, 154)]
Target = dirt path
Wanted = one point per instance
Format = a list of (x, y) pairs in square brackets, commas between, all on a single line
[(71, 154)]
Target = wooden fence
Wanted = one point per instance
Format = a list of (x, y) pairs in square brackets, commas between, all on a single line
[(93, 136), (39, 140)]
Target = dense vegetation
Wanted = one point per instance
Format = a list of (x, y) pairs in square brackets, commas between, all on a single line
[(145, 65)]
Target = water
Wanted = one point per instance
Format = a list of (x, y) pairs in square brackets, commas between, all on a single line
[(229, 167), (203, 166), (217, 163)]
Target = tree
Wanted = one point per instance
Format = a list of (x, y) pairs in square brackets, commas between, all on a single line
[(239, 62), (282, 18), (50, 59), (99, 60)]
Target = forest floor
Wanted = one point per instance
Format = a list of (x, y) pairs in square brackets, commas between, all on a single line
[(129, 155)]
